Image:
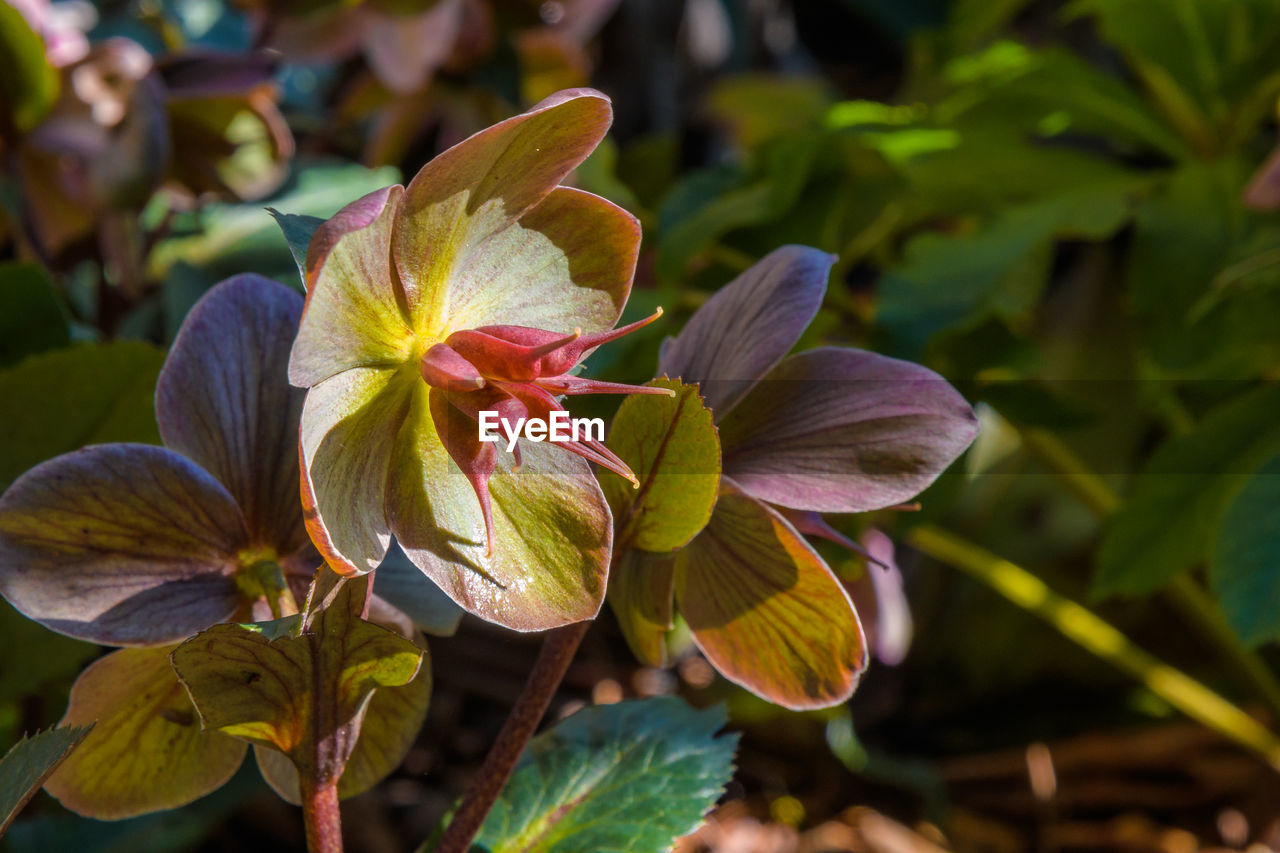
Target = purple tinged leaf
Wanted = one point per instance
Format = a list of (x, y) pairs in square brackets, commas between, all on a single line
[(122, 544), (747, 326), (387, 731), (223, 400), (766, 610), (354, 315), (305, 695), (844, 430)]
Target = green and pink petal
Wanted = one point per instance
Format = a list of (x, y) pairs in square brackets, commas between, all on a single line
[(766, 610)]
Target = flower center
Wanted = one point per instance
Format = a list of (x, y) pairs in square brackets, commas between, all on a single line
[(516, 372), (259, 575)]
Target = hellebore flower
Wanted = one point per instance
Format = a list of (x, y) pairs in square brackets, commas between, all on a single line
[(827, 430), (480, 286), (137, 545), (142, 546)]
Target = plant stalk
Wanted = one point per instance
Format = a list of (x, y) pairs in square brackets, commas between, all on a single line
[(1184, 592), (548, 671), (1087, 630), (322, 818)]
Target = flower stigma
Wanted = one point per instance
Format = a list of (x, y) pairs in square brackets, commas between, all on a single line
[(512, 375)]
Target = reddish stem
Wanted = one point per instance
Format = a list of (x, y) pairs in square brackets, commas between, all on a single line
[(553, 661), (322, 819)]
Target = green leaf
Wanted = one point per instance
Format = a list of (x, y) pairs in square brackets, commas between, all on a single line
[(1190, 57), (1244, 567), (49, 660), (1172, 514), (298, 230), (707, 205), (971, 21), (146, 752), (1050, 92), (64, 399), (25, 767), (304, 695), (945, 281), (672, 446), (28, 83), (760, 107), (31, 316), (1185, 234), (624, 778)]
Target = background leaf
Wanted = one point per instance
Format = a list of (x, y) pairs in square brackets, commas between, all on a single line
[(28, 83), (32, 318), (64, 399), (25, 767), (1169, 521), (1244, 568), (631, 777)]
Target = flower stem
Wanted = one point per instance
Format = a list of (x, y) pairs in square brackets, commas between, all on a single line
[(553, 661), (322, 818), (1086, 629), (1184, 592)]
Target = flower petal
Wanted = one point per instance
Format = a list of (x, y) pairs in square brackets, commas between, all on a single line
[(479, 187), (120, 544), (881, 601), (354, 315), (568, 263), (747, 326), (349, 425), (641, 587), (147, 751), (224, 401), (552, 529), (845, 430), (766, 610)]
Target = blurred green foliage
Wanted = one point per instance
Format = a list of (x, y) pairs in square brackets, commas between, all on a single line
[(1046, 203)]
